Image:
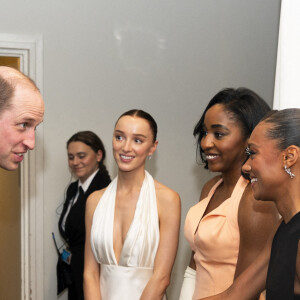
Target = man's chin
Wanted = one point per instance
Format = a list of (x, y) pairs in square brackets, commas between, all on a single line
[(11, 166)]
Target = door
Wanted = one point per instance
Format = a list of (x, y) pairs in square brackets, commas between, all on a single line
[(10, 223)]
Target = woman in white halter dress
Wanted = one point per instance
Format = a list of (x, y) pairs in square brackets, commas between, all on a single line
[(132, 225)]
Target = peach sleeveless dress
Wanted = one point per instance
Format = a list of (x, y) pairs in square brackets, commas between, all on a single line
[(215, 239)]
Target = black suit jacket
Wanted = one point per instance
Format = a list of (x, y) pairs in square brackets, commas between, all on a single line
[(74, 233)]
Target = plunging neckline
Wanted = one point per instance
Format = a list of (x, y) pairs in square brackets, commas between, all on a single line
[(142, 239), (219, 207), (130, 227)]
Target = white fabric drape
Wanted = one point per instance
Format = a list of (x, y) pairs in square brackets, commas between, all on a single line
[(287, 81)]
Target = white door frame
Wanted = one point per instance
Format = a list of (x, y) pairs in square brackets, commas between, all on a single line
[(30, 51)]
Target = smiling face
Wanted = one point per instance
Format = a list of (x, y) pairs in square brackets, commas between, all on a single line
[(265, 164), (83, 160), (17, 125), (223, 142), (132, 143)]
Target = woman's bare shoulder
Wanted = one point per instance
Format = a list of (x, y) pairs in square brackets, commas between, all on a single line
[(208, 186), (249, 203), (95, 197), (165, 193), (256, 216), (168, 202)]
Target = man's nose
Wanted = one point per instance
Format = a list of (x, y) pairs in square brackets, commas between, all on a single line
[(29, 142)]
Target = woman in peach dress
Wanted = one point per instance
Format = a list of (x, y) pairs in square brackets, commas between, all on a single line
[(228, 227), (274, 169)]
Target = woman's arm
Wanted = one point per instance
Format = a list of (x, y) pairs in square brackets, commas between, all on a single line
[(192, 261), (169, 210), (257, 221), (91, 274)]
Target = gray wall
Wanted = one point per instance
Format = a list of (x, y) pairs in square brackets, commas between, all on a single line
[(167, 57)]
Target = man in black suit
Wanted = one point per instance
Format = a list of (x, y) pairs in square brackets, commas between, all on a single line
[(21, 111)]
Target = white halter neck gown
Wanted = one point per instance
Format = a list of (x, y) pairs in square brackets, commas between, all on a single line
[(128, 278)]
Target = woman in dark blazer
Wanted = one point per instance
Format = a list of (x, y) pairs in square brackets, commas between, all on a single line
[(86, 154)]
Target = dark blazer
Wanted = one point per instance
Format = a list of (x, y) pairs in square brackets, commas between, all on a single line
[(74, 233)]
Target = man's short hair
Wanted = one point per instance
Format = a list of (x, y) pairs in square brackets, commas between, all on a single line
[(8, 82), (6, 92)]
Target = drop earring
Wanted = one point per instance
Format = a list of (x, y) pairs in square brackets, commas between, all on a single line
[(288, 170), (150, 156)]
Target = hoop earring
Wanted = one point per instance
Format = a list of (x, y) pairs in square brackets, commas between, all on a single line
[(288, 170)]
